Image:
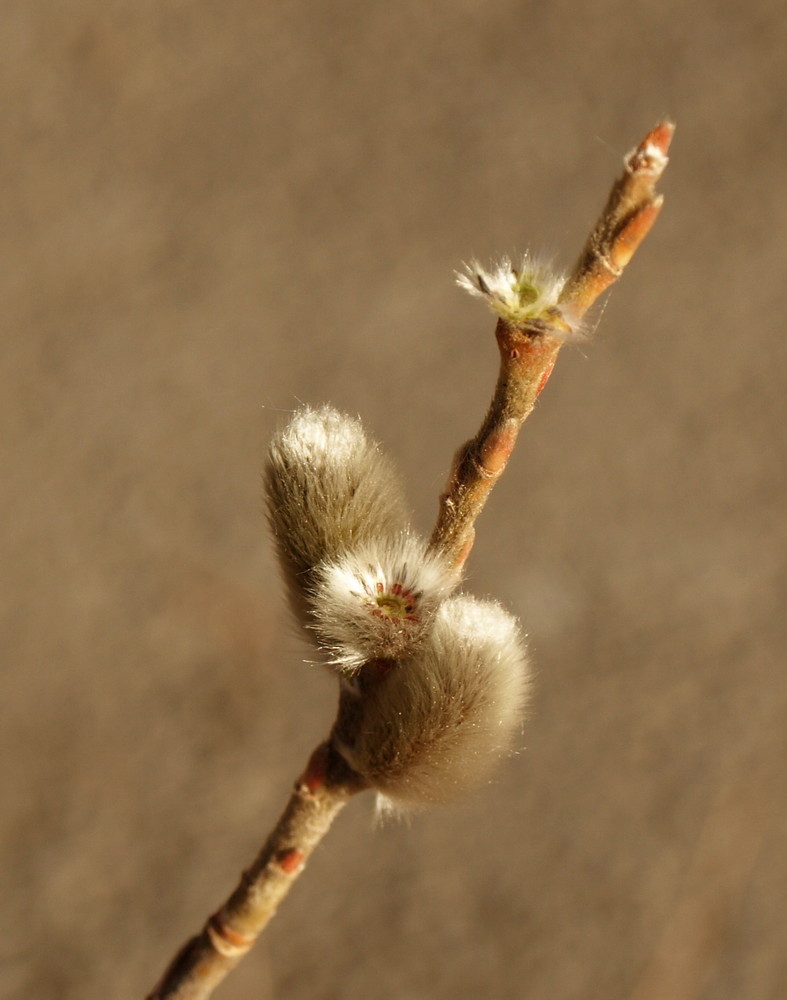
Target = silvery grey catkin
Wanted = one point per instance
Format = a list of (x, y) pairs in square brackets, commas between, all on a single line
[(329, 489), (433, 684), (435, 723)]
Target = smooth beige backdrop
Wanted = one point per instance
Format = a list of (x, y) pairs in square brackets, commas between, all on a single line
[(212, 211)]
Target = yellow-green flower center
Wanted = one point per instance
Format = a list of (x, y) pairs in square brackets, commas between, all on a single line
[(397, 604)]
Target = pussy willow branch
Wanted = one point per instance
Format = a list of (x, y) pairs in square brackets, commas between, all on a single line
[(320, 793), (528, 353)]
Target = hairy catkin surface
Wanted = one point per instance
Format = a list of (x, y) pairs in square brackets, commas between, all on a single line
[(328, 489), (379, 601), (435, 724), (434, 686)]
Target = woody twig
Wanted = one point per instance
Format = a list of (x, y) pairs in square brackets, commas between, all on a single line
[(534, 322)]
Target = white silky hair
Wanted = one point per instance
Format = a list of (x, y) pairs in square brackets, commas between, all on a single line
[(379, 601), (328, 488), (518, 292), (434, 724)]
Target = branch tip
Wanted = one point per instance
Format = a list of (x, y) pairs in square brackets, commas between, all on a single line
[(659, 137), (630, 211)]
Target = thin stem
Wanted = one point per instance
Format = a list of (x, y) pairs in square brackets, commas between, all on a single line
[(527, 356), (201, 964), (528, 351)]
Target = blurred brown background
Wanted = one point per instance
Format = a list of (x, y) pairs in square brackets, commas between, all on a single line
[(213, 211)]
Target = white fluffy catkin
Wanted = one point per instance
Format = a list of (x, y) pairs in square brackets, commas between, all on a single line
[(518, 293), (328, 489), (378, 601), (431, 726)]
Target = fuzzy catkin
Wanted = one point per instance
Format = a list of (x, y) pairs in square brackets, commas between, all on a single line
[(328, 488), (517, 293), (378, 601), (431, 726)]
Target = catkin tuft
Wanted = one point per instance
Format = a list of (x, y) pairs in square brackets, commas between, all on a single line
[(378, 602), (520, 294), (429, 727), (328, 489)]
